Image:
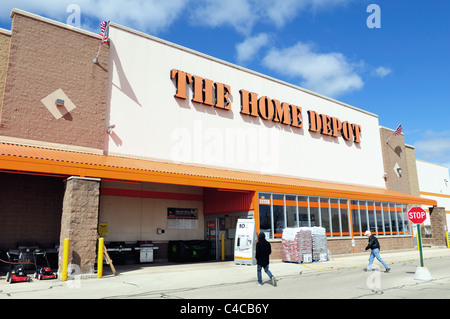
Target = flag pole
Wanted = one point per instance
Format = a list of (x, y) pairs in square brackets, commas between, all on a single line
[(394, 133), (105, 34)]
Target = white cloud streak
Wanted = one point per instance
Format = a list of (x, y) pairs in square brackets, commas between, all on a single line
[(435, 147), (243, 15), (149, 15), (329, 73), (250, 47), (326, 73), (382, 71)]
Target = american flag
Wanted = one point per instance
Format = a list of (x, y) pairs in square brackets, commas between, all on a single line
[(398, 131), (104, 33)]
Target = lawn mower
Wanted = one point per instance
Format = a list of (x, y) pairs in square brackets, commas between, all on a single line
[(43, 269), (17, 272)]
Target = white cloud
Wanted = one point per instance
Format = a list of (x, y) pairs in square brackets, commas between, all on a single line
[(330, 74), (238, 14), (382, 71), (243, 15), (149, 16), (250, 47), (434, 147), (156, 15)]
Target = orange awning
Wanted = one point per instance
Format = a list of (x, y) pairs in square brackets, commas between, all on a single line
[(41, 160)]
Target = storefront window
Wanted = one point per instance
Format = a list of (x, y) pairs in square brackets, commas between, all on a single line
[(265, 218), (278, 214), (325, 215), (379, 218), (343, 213), (278, 211), (303, 208), (356, 220), (393, 222), (371, 216), (387, 208), (291, 211), (402, 219), (314, 211), (363, 214)]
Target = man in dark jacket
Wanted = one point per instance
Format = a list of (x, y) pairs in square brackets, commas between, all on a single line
[(374, 245), (263, 250)]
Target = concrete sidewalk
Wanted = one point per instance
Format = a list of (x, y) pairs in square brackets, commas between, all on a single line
[(164, 281)]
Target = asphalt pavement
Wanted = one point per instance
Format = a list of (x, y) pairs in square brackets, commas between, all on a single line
[(211, 280)]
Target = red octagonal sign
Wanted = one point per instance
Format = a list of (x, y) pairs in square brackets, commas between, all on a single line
[(417, 215)]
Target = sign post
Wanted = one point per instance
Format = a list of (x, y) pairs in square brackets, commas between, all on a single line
[(420, 245), (417, 215)]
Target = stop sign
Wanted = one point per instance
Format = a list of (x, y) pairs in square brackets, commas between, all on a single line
[(417, 215)]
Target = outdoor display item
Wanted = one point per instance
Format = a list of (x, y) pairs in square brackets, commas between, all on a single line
[(298, 244), (319, 244)]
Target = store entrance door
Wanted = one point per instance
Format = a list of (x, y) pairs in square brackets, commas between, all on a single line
[(215, 232), (221, 230)]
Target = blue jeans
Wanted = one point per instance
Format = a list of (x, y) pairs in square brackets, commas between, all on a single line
[(376, 254), (266, 269)]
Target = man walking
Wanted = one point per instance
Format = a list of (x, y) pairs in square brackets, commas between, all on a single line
[(263, 250), (374, 245)]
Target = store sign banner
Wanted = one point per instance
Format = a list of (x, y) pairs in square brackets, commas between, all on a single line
[(215, 94), (182, 218)]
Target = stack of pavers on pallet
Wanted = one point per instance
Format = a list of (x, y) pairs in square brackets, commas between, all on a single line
[(319, 244), (297, 245)]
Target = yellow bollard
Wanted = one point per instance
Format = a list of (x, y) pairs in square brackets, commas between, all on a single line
[(100, 258), (223, 245), (446, 235), (65, 260)]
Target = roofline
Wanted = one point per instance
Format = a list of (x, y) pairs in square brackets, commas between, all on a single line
[(427, 162), (5, 32), (53, 22), (237, 67)]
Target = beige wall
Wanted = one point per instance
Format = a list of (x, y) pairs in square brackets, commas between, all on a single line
[(395, 155), (46, 56), (5, 38), (135, 218), (412, 170)]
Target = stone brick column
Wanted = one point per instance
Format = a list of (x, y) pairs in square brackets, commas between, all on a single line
[(438, 226), (79, 222)]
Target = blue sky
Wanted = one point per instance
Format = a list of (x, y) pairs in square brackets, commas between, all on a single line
[(399, 70)]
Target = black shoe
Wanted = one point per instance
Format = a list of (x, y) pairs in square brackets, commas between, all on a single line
[(387, 270)]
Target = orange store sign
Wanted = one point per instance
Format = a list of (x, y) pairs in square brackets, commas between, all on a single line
[(215, 94)]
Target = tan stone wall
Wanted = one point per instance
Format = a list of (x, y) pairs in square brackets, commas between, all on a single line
[(4, 53), (438, 226), (79, 222), (394, 153), (412, 170), (44, 57)]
